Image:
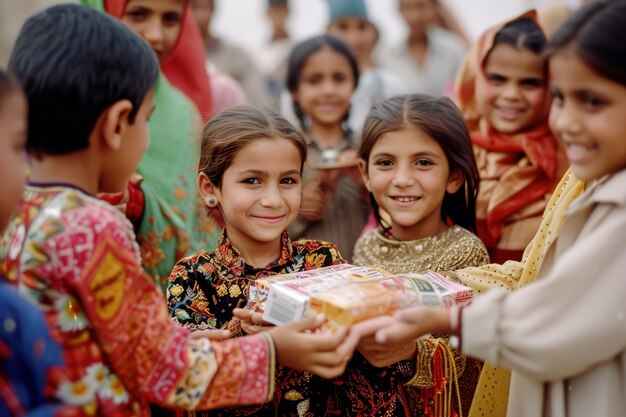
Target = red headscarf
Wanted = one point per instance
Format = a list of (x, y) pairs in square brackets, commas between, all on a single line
[(520, 183), (185, 67)]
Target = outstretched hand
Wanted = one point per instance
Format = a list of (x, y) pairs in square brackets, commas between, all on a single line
[(406, 325), (382, 354), (323, 354)]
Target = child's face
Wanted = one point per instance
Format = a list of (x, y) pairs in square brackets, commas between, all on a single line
[(513, 95), (260, 193), (157, 21), (408, 174), (325, 87), (13, 129), (588, 115), (418, 14), (134, 144), (359, 34)]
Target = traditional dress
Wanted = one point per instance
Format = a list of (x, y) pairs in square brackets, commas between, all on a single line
[(493, 386), (411, 388), (30, 361), (518, 172), (564, 336), (174, 222), (205, 288), (77, 258)]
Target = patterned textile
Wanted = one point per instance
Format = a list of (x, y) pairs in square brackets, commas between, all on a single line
[(518, 172), (30, 361), (406, 388), (205, 288), (77, 258)]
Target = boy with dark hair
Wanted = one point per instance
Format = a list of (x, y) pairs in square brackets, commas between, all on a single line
[(89, 81)]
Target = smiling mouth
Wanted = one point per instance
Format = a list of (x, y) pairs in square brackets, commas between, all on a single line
[(577, 152), (508, 113), (405, 199), (269, 219)]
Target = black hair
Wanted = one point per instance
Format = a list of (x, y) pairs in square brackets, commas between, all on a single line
[(597, 31), (522, 33), (73, 63), (302, 51), (441, 120)]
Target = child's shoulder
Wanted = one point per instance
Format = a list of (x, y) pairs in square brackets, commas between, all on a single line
[(465, 247), (74, 214), (310, 246)]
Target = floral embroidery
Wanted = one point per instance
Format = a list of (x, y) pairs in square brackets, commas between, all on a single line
[(214, 283)]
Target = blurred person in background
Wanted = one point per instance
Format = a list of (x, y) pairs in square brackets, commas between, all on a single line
[(427, 61), (230, 58)]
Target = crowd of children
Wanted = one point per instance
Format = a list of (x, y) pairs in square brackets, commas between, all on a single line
[(128, 255)]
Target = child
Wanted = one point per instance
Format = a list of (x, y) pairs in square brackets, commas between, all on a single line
[(429, 58), (322, 75), (250, 169), (29, 359), (350, 22), (165, 208), (417, 163), (563, 336), (90, 85), (503, 93)]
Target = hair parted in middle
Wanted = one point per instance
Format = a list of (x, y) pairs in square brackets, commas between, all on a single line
[(226, 134), (440, 119)]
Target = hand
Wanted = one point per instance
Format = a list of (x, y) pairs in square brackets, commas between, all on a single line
[(120, 200), (251, 321), (408, 325), (382, 354), (313, 202), (215, 334), (323, 354), (351, 156)]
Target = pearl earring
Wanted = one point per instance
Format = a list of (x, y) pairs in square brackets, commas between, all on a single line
[(211, 202)]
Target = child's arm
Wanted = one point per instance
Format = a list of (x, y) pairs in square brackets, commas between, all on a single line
[(155, 358)]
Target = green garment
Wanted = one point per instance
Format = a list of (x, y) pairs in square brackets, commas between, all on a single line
[(174, 222)]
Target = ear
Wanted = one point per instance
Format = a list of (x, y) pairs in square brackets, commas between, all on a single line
[(366, 178), (455, 182), (114, 124), (209, 192)]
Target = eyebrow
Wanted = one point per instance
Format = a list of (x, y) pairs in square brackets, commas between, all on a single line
[(260, 173), (388, 155)]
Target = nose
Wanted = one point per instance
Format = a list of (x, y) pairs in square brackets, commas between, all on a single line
[(403, 176), (564, 119), (272, 197), (153, 33), (510, 91)]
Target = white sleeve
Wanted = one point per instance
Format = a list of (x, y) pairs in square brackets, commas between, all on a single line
[(568, 320)]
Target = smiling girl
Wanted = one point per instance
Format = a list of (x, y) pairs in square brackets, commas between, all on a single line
[(503, 93), (251, 171), (417, 164), (322, 75)]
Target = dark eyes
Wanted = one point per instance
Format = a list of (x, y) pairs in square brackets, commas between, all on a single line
[(284, 181)]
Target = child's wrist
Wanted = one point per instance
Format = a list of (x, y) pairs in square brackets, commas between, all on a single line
[(456, 323)]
